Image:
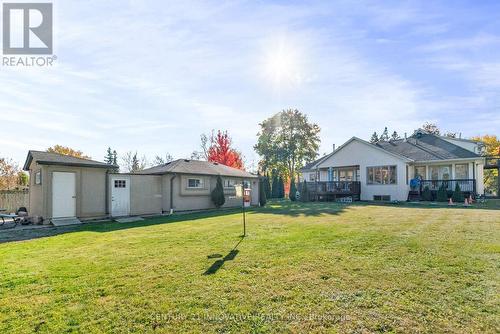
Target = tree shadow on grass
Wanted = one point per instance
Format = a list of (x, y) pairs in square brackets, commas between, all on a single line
[(297, 209), (11, 235), (219, 263)]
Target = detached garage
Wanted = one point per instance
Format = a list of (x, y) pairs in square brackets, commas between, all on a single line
[(64, 187)]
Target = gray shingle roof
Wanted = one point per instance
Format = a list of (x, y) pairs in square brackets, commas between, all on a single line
[(184, 166), (426, 147), (310, 166), (48, 158)]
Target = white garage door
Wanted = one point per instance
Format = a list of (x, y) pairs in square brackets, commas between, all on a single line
[(63, 195)]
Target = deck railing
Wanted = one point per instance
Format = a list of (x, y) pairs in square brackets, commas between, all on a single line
[(335, 187), (466, 185)]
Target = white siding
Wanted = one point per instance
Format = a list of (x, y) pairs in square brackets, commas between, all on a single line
[(364, 155)]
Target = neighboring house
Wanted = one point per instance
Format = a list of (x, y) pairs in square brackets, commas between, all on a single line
[(383, 171), (62, 186)]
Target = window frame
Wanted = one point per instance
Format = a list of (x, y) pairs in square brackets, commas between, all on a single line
[(466, 171), (120, 184), (384, 172), (38, 178), (200, 183)]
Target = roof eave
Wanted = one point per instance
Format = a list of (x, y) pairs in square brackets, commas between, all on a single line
[(74, 164)]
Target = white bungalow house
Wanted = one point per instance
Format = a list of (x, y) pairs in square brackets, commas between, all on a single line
[(384, 171)]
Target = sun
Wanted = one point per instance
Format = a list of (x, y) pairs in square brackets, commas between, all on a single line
[(282, 64)]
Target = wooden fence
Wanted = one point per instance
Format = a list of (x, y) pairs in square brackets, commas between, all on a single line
[(11, 200)]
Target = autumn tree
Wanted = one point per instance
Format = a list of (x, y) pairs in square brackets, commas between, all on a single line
[(286, 141), (9, 174), (67, 151), (492, 148), (221, 151)]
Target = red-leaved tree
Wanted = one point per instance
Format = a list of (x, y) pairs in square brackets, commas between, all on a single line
[(220, 151)]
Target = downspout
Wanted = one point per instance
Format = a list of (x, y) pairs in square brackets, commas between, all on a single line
[(172, 193)]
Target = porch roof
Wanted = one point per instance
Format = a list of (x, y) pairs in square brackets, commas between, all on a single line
[(426, 147)]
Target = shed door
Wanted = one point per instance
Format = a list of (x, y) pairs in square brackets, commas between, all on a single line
[(120, 196), (63, 195)]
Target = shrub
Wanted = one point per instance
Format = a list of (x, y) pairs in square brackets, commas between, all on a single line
[(458, 196), (293, 191), (427, 194), (262, 191), (218, 194), (442, 194), (304, 192)]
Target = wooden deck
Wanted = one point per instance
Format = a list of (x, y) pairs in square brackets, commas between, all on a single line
[(332, 190)]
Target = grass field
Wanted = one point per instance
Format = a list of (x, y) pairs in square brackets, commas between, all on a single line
[(301, 268)]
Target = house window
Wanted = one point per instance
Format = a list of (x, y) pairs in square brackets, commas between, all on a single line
[(462, 171), (382, 175), (440, 172), (229, 183), (120, 183), (38, 177), (195, 183), (312, 177), (420, 172)]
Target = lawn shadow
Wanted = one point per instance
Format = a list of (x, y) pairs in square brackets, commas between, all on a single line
[(11, 235), (219, 263), (488, 205), (297, 209)]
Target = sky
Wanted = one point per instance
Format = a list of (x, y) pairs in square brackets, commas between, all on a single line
[(151, 76)]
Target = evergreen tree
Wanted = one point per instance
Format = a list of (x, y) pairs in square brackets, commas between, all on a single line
[(262, 191), (267, 186), (304, 192), (442, 194), (115, 158), (395, 136), (275, 188), (281, 188), (217, 194), (293, 191), (385, 135), (458, 196), (374, 138), (109, 156)]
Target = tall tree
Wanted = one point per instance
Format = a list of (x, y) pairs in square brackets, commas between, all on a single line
[(64, 150), (159, 160), (374, 138), (221, 151), (115, 158), (385, 135), (109, 157), (286, 141), (431, 128), (267, 186), (492, 147)]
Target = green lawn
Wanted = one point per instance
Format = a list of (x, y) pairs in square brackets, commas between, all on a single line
[(302, 268)]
